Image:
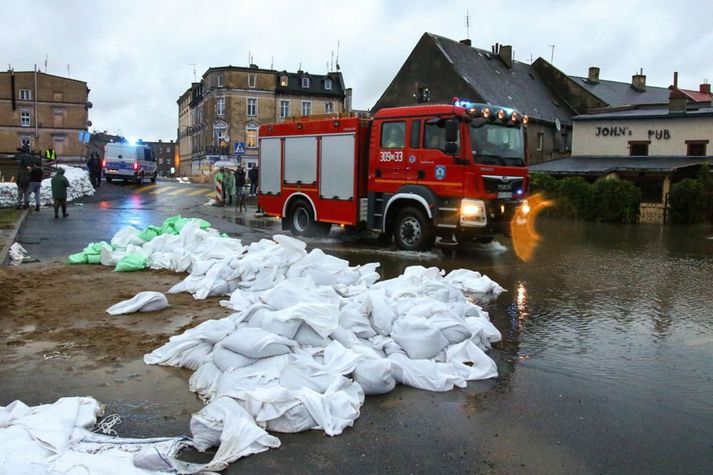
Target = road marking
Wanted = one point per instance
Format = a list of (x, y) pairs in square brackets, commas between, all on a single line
[(145, 188), (176, 191), (197, 192), (161, 190)]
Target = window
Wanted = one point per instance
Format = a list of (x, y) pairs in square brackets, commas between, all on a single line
[(26, 141), (329, 107), (696, 148), (415, 133), (306, 108), (25, 94), (252, 80), (252, 107), (328, 83), (251, 137), (220, 80), (284, 109), (58, 113), (283, 81), (540, 141), (57, 96), (305, 82), (392, 134), (220, 106), (25, 118), (434, 134), (639, 148)]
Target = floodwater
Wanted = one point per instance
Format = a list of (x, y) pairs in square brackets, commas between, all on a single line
[(606, 363)]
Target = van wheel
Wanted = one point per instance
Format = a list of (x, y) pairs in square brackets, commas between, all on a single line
[(108, 179), (413, 231), (140, 178), (302, 223), (153, 177)]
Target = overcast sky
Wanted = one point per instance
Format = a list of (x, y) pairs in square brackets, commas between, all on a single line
[(136, 56)]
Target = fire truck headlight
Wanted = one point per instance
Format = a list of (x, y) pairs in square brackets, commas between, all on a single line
[(472, 213), (524, 208)]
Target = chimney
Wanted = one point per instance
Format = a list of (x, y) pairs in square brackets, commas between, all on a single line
[(705, 87), (505, 54), (638, 81), (466, 42), (593, 76), (676, 99)]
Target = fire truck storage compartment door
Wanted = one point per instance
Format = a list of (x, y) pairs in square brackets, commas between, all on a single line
[(270, 167), (337, 167), (301, 160)]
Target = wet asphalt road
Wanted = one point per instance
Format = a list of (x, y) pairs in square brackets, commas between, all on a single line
[(606, 364)]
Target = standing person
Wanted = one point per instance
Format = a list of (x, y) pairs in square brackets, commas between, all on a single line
[(219, 187), (51, 156), (252, 175), (23, 183), (94, 168), (59, 192), (228, 186), (240, 189), (36, 175)]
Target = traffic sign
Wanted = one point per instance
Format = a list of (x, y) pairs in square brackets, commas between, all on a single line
[(239, 148)]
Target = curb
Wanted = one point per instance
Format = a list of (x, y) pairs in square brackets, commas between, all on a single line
[(4, 254)]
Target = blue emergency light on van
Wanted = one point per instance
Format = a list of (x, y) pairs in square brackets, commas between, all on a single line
[(123, 161)]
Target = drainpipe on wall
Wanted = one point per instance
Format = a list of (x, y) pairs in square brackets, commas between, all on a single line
[(35, 111)]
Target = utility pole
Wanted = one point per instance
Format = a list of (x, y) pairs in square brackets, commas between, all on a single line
[(552, 56), (467, 24)]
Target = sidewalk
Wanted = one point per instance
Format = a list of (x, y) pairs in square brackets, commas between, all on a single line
[(10, 221)]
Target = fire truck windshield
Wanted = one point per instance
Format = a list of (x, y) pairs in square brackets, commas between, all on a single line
[(495, 144)]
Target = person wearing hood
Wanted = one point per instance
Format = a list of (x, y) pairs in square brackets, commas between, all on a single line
[(59, 192)]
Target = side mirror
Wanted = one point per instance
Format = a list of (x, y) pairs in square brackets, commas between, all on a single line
[(452, 130), (451, 148)]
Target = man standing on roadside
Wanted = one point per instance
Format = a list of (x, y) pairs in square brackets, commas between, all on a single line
[(59, 192), (51, 156), (252, 175), (95, 170), (36, 175)]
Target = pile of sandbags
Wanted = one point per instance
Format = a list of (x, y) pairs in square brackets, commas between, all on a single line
[(310, 335), (79, 185)]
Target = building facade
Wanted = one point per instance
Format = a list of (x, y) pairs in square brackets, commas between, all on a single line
[(166, 154), (41, 110), (219, 117)]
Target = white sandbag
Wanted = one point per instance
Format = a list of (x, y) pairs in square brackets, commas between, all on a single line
[(425, 374), (125, 236), (381, 313), (147, 301), (471, 281), (418, 337), (257, 343), (227, 360), (306, 336), (204, 381), (451, 326), (374, 376), (224, 422), (479, 365), (271, 320), (295, 419)]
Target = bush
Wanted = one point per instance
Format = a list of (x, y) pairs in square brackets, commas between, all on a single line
[(615, 201), (574, 197), (686, 202), (543, 183)]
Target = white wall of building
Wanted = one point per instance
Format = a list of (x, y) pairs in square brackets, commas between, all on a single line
[(668, 136)]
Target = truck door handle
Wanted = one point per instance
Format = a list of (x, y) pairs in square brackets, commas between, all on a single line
[(421, 174)]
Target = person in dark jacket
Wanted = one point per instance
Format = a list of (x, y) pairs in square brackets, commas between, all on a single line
[(59, 192), (95, 169), (36, 175), (240, 189), (252, 174), (23, 183)]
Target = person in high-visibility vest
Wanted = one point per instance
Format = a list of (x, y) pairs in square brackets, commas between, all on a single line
[(51, 156)]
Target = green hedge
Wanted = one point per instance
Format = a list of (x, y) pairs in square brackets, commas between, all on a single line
[(691, 200), (604, 200)]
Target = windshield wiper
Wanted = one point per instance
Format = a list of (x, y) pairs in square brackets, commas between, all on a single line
[(486, 155)]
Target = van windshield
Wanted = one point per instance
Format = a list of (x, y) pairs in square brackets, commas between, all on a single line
[(495, 144)]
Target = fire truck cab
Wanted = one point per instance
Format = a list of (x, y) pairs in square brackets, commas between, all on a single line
[(456, 171)]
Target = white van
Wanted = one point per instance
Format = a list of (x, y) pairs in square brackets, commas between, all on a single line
[(129, 162)]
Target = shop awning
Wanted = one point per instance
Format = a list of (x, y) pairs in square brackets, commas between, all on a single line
[(598, 165)]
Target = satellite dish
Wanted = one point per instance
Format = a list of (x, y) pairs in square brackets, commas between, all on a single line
[(558, 126)]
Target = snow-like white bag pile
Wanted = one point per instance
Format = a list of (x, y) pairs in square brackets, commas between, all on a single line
[(79, 185), (309, 335)]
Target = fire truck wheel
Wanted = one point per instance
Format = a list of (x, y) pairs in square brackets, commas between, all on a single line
[(302, 221), (413, 231)]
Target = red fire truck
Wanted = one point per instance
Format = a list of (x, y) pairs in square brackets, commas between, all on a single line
[(456, 171)]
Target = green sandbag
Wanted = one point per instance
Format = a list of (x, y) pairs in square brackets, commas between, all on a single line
[(78, 258), (95, 248), (149, 233), (131, 263), (94, 258)]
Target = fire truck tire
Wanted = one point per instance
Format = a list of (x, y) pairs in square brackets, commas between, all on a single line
[(302, 223), (413, 231)]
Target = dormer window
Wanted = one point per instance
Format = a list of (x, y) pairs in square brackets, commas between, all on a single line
[(283, 81), (305, 82), (220, 80), (328, 84)]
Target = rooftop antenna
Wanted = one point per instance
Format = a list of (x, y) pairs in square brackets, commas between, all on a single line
[(68, 74), (46, 63), (272, 62), (530, 58), (467, 24), (194, 71), (331, 65), (337, 55), (552, 56)]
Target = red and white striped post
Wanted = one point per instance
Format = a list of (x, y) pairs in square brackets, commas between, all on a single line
[(218, 192)]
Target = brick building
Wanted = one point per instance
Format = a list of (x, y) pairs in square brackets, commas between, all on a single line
[(228, 105), (166, 157), (39, 110)]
